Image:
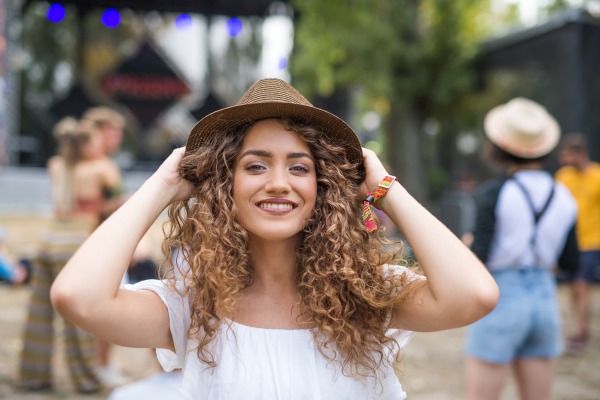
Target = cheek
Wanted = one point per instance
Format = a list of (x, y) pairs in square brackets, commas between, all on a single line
[(308, 191), (243, 189)]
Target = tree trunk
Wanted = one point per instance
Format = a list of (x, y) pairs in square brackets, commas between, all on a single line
[(404, 149)]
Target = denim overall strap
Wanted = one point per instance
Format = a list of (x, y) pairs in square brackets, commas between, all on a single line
[(537, 215)]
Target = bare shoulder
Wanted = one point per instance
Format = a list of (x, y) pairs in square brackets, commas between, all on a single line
[(55, 162), (55, 165), (110, 166)]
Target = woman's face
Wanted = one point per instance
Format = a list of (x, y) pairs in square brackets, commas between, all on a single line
[(93, 148), (275, 183)]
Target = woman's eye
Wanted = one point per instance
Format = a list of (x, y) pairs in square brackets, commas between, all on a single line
[(255, 167), (299, 168)]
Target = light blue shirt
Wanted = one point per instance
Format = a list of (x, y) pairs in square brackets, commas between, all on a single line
[(7, 268), (511, 246)]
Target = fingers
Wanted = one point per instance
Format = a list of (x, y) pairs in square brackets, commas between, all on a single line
[(367, 153), (180, 151), (177, 154)]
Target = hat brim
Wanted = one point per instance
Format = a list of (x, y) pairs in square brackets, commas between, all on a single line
[(219, 121), (495, 130)]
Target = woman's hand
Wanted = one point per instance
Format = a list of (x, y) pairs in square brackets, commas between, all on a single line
[(375, 173), (169, 175)]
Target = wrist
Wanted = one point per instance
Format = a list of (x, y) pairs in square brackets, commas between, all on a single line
[(394, 190), (159, 190)]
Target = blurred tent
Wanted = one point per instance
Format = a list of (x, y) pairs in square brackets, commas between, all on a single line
[(146, 84), (211, 104), (557, 64), (75, 103)]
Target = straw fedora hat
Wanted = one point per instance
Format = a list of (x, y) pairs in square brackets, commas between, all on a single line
[(522, 128), (274, 98)]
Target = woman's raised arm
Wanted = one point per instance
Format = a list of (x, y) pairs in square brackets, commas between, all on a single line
[(86, 292), (458, 290)]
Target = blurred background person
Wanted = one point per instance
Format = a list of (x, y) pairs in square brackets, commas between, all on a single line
[(582, 177), (524, 227), (14, 273), (159, 386), (79, 176), (110, 124)]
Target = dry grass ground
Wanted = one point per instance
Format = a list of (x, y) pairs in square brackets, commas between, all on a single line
[(433, 363)]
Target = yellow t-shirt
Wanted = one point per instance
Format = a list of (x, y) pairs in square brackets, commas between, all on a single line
[(585, 187)]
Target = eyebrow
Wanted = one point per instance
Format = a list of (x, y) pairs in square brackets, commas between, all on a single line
[(259, 153), (299, 155), (268, 154)]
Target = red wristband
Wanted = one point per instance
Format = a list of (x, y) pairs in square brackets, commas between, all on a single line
[(382, 189)]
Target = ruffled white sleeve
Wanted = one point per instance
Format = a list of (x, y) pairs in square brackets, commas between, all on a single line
[(402, 336), (179, 322)]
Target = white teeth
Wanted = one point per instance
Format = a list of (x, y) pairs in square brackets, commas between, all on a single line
[(276, 206)]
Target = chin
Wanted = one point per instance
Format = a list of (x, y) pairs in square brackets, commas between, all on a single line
[(275, 233)]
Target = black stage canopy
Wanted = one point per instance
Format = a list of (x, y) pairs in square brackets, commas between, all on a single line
[(206, 7), (557, 64)]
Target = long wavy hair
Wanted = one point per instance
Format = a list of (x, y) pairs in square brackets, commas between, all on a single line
[(346, 292), (70, 142)]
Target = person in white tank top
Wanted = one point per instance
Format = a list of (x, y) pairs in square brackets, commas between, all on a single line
[(283, 291)]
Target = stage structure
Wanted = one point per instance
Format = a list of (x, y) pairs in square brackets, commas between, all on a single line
[(145, 84), (240, 8)]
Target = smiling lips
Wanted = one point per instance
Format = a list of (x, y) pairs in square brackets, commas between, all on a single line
[(276, 206)]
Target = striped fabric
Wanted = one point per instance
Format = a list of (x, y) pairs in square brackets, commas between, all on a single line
[(58, 245)]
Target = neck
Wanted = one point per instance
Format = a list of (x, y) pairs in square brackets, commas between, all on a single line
[(274, 264), (583, 164), (514, 168)]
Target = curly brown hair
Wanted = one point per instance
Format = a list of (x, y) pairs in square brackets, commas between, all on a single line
[(345, 289)]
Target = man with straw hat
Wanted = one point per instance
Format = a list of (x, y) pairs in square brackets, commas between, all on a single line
[(524, 228)]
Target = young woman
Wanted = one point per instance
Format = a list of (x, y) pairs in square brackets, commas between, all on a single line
[(524, 228), (110, 124), (284, 293), (79, 175)]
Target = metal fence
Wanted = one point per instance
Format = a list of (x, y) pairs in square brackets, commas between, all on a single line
[(26, 191)]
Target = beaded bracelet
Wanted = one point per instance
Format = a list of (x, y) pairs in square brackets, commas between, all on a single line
[(382, 189)]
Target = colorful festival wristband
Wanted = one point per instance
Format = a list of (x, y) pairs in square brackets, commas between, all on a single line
[(382, 189)]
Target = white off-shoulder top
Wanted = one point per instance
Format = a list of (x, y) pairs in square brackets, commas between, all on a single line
[(265, 364)]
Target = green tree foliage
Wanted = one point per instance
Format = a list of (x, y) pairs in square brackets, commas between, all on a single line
[(47, 46), (397, 48), (414, 54), (557, 6)]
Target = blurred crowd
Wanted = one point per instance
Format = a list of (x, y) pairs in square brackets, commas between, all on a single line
[(86, 188)]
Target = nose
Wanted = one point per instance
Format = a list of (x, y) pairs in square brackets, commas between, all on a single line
[(277, 181)]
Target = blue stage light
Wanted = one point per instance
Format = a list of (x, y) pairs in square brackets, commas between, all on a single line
[(234, 26), (56, 13), (111, 18), (282, 63), (183, 22)]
